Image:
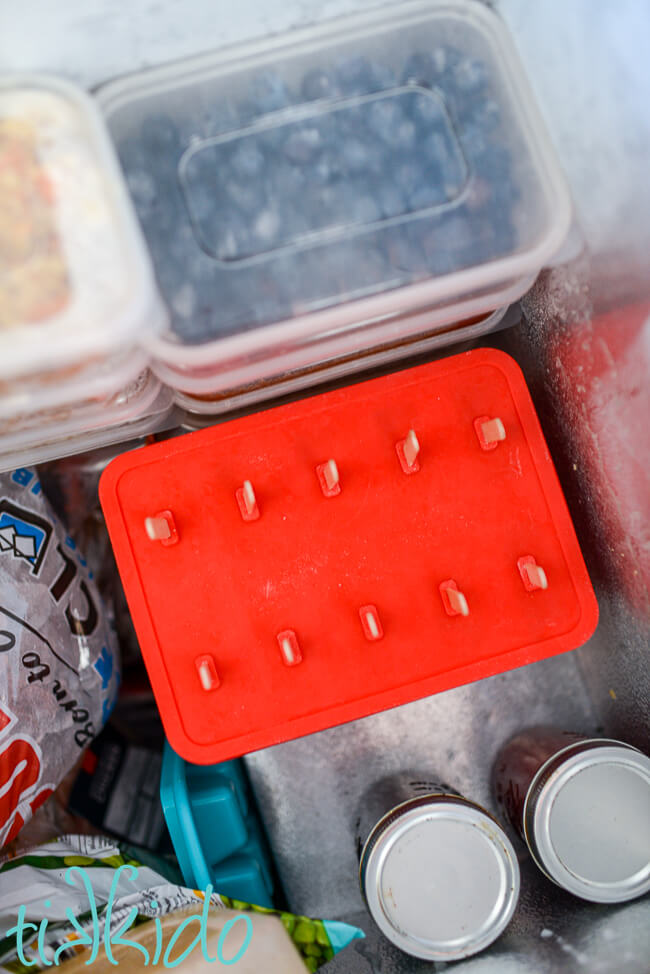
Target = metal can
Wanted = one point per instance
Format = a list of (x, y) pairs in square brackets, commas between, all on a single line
[(582, 805), (438, 873)]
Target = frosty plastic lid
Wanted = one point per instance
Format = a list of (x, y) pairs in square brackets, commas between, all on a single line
[(138, 409), (587, 820), (440, 877), (307, 189), (75, 279)]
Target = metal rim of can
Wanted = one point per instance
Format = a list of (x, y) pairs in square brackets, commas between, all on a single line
[(545, 788), (392, 827)]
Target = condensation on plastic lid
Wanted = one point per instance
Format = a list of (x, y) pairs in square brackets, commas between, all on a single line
[(76, 276), (134, 411)]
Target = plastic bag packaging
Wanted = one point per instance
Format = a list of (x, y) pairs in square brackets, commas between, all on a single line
[(71, 485), (90, 891), (59, 666), (52, 819)]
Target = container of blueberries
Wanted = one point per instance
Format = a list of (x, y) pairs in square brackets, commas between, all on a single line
[(375, 181)]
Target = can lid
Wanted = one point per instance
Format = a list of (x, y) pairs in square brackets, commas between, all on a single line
[(589, 827), (441, 878)]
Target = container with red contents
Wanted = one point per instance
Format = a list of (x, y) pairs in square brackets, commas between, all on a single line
[(77, 293), (582, 805)]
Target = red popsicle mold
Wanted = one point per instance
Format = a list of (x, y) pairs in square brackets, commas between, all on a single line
[(326, 592)]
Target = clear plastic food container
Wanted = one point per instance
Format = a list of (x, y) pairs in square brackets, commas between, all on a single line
[(75, 427), (310, 196), (201, 410), (96, 381), (76, 281)]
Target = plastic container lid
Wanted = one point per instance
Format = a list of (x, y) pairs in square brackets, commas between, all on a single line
[(134, 411), (75, 278), (92, 383), (440, 877), (298, 194), (589, 824)]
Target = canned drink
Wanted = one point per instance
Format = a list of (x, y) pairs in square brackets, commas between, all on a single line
[(582, 805), (438, 873)]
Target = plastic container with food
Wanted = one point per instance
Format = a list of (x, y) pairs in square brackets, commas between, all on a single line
[(97, 382), (348, 186), (76, 283), (140, 408)]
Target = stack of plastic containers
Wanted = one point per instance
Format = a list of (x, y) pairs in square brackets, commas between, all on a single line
[(358, 189), (77, 294), (214, 829)]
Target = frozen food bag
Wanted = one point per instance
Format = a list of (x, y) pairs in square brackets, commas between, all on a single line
[(59, 665), (85, 901)]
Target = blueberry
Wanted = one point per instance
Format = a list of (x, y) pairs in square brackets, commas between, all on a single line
[(286, 181), (247, 159), (390, 198), (404, 254), (142, 188), (427, 110), (495, 165), (405, 135), (327, 206), (382, 77), (167, 206), (160, 134), (443, 158), (248, 196), (132, 154), (488, 114), (369, 267), (184, 301), (363, 207), (232, 236), (318, 84), (205, 166), (383, 116), (436, 147), (325, 170), (354, 75), (457, 235), (469, 74), (408, 176), (269, 93), (420, 69), (439, 257), (215, 118), (303, 144), (444, 58), (296, 220), (429, 193), (474, 141), (202, 202), (356, 156), (266, 312), (272, 139), (266, 227)]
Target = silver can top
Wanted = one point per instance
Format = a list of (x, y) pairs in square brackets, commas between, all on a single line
[(588, 822), (440, 877)]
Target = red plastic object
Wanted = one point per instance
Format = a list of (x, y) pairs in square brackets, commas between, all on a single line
[(311, 567)]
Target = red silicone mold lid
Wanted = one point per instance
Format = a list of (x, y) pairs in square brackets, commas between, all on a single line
[(346, 553)]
